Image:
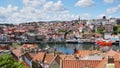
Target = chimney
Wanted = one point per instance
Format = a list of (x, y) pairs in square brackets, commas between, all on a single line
[(110, 63), (104, 17), (76, 57), (110, 59), (75, 51)]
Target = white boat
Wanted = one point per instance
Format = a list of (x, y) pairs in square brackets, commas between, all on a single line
[(80, 41), (74, 41)]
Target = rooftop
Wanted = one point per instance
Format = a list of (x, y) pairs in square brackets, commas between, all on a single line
[(80, 63), (48, 58)]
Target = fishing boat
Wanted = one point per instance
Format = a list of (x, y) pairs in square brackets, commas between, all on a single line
[(103, 43)]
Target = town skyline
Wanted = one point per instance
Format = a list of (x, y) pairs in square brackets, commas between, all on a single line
[(21, 11)]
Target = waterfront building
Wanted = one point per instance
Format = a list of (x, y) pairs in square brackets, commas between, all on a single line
[(118, 21), (108, 28), (111, 37), (4, 47)]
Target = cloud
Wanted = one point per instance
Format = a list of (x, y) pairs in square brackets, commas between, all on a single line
[(113, 10), (85, 3), (51, 6), (5, 13), (33, 3), (110, 12), (85, 16), (109, 1), (101, 16), (65, 16), (35, 10)]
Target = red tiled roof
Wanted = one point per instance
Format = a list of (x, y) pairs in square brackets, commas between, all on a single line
[(80, 63), (67, 57), (32, 55), (57, 59), (113, 54), (26, 46), (4, 47), (102, 63), (16, 52), (49, 58), (82, 53), (117, 64), (98, 34), (19, 30), (39, 56)]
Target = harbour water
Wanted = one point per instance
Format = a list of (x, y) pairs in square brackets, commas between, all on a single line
[(69, 48)]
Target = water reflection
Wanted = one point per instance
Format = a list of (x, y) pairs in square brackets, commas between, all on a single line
[(69, 48), (65, 49)]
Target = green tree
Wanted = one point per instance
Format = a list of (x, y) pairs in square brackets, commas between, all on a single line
[(65, 31), (15, 45), (6, 61), (100, 30), (116, 29)]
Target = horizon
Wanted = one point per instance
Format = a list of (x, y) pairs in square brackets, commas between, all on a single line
[(17, 23), (23, 11)]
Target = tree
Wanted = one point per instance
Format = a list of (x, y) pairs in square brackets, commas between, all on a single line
[(116, 30), (6, 61), (100, 30), (65, 31)]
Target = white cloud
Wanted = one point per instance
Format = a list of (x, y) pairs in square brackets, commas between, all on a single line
[(109, 1), (65, 15), (85, 16), (51, 6), (33, 3), (110, 12), (35, 10), (101, 16), (85, 3), (7, 12), (113, 10)]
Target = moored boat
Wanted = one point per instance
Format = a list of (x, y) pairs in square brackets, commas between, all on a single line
[(103, 43), (74, 41)]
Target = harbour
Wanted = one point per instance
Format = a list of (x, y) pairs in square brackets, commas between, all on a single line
[(40, 42)]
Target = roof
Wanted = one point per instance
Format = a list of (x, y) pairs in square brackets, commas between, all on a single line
[(113, 54), (57, 59), (83, 53), (26, 46), (93, 60), (39, 56), (98, 35), (32, 55), (102, 63), (16, 52), (92, 57), (117, 64), (80, 63), (67, 57), (48, 58), (6, 47)]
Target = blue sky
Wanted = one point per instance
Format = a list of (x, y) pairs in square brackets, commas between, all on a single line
[(18, 11)]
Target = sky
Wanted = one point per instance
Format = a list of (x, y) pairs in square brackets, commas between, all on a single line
[(21, 11)]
